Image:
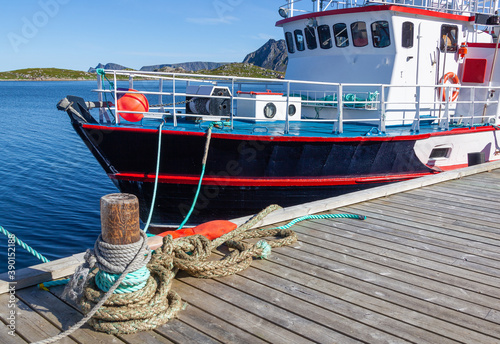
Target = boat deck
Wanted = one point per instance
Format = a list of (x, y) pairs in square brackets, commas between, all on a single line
[(305, 128), (424, 267)]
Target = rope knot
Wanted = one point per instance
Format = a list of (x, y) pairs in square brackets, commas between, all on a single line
[(265, 248)]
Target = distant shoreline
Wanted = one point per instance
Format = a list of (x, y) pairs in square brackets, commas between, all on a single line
[(47, 79)]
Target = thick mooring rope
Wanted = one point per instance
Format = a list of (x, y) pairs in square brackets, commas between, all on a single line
[(81, 274)]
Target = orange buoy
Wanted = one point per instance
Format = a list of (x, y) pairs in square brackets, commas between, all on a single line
[(211, 230), (132, 102), (454, 80)]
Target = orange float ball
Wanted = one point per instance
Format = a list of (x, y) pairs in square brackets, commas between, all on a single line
[(132, 102)]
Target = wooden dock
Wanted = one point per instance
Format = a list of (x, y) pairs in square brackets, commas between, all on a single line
[(424, 267)]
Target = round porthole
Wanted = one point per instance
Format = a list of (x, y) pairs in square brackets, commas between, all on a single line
[(270, 110), (292, 110)]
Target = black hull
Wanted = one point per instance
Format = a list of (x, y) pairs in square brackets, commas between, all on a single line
[(244, 172), (130, 160)]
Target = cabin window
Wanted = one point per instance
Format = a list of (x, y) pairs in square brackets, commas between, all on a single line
[(340, 34), (359, 34), (407, 36), (449, 35), (299, 40), (289, 42), (325, 37), (310, 38), (380, 34), (440, 153)]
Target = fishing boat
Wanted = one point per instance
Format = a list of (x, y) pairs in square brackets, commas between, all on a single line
[(375, 92)]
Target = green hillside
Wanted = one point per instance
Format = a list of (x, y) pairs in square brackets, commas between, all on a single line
[(244, 70), (49, 74), (46, 74)]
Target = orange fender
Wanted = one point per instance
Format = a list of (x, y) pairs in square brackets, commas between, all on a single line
[(211, 230)]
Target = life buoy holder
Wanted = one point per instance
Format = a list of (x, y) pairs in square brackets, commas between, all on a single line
[(453, 78)]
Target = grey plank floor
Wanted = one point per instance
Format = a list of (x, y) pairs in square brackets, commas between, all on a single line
[(424, 267)]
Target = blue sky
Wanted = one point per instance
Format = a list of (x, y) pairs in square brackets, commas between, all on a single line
[(78, 34)]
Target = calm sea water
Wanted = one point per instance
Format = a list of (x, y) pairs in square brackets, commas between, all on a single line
[(50, 184)]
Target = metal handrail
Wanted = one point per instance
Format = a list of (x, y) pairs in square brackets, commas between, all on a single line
[(444, 111)]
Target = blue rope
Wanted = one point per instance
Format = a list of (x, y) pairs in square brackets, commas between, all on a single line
[(36, 254), (24, 245), (155, 188), (319, 217), (134, 281), (195, 198), (186, 219)]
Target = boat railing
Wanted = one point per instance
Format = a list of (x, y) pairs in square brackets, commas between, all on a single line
[(462, 7), (359, 103)]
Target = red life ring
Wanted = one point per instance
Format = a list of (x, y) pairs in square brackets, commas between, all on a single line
[(454, 80)]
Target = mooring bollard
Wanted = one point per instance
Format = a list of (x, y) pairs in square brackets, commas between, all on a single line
[(120, 219)]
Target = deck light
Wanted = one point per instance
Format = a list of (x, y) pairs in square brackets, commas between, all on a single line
[(283, 12)]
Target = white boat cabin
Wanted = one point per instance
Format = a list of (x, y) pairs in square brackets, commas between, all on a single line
[(400, 45)]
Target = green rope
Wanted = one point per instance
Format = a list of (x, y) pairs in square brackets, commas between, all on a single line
[(204, 163), (155, 187), (195, 198), (134, 281), (24, 245), (320, 217)]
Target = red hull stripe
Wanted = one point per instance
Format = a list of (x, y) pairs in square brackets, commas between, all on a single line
[(456, 131), (232, 181), (377, 8)]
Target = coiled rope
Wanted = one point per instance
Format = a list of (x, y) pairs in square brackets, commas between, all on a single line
[(80, 278)]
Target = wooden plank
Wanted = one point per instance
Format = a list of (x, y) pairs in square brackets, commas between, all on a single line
[(334, 298), (61, 315), (439, 252), (304, 323), (234, 314), (403, 223), (433, 259), (346, 252), (485, 205), (56, 269), (150, 337), (458, 190), (30, 325), (454, 203), (348, 324), (364, 289), (394, 312), (440, 224), (429, 208), (5, 337), (179, 332), (216, 327), (473, 250)]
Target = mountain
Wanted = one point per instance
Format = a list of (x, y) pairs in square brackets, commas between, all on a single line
[(187, 66), (272, 55), (113, 66)]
